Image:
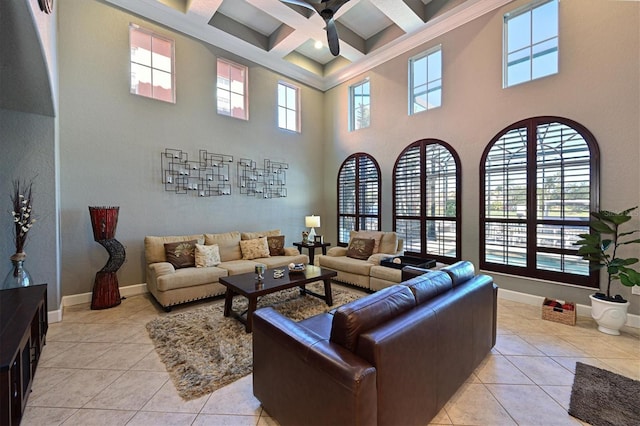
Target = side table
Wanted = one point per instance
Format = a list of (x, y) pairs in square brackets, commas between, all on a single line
[(311, 247)]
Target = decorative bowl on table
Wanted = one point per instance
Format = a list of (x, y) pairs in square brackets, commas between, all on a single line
[(296, 268)]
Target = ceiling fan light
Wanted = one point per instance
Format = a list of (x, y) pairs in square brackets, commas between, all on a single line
[(318, 44)]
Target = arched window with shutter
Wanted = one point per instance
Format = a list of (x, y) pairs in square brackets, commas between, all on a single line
[(426, 200), (538, 183), (358, 196)]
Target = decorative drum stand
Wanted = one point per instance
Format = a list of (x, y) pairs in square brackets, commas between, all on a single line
[(106, 292)]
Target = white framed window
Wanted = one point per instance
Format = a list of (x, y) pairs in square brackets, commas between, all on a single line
[(425, 81), (152, 64), (530, 45), (288, 107), (231, 89), (360, 105)]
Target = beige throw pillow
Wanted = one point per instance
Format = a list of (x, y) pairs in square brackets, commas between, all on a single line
[(254, 249), (207, 256)]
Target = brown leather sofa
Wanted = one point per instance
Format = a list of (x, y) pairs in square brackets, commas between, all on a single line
[(393, 357)]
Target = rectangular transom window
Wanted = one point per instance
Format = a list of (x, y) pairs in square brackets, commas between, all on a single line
[(288, 110), (231, 89), (359, 105), (530, 48), (425, 81), (152, 65)]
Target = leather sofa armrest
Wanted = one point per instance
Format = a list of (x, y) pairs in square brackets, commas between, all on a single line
[(297, 362), (409, 272), (337, 251), (162, 268)]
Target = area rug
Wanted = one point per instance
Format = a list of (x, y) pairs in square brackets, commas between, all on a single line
[(204, 351), (601, 397)]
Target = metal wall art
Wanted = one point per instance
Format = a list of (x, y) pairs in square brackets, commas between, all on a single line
[(206, 177), (266, 182)]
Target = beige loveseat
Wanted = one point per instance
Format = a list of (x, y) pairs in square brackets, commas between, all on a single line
[(171, 286), (367, 273)]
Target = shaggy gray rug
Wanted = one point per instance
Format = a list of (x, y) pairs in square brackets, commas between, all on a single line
[(603, 398), (203, 350)]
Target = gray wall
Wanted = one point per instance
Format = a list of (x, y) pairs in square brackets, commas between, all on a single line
[(598, 86), (111, 143), (28, 87)]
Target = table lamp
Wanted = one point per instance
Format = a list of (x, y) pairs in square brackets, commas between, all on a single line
[(312, 222)]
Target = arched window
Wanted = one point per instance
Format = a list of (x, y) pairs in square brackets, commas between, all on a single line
[(538, 182), (426, 200), (358, 196)]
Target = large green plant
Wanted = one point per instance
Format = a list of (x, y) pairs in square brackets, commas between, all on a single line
[(600, 247)]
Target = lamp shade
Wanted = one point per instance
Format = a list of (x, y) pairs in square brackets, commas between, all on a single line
[(312, 221)]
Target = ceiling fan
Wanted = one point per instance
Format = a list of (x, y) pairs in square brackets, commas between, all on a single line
[(327, 9)]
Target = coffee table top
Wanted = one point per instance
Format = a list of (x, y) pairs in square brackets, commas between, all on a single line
[(247, 284)]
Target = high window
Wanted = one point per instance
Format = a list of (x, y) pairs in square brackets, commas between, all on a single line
[(539, 181), (152, 65), (426, 200), (358, 196), (530, 42), (425, 81), (232, 89), (288, 107), (359, 105)]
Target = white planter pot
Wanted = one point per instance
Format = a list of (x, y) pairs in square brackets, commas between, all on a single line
[(610, 316)]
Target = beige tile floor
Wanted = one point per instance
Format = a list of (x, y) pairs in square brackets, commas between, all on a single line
[(100, 368)]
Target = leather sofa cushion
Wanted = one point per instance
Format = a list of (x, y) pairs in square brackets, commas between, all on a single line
[(427, 286), (460, 272), (228, 242), (359, 316)]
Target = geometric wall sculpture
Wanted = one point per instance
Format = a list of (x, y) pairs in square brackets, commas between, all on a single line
[(266, 182), (208, 176)]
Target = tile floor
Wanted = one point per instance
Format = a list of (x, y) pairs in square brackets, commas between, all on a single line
[(100, 368)]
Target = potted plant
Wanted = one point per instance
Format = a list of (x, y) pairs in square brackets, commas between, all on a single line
[(600, 248)]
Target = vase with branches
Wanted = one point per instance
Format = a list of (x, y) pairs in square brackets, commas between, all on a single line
[(23, 220)]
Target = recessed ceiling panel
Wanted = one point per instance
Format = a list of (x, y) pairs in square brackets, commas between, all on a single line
[(250, 16), (365, 19), (321, 56)]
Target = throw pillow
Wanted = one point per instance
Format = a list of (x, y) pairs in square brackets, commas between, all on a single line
[(360, 248), (207, 256), (276, 245), (254, 249), (375, 235), (181, 254)]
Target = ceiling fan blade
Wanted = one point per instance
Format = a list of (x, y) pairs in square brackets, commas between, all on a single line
[(332, 37), (300, 3)]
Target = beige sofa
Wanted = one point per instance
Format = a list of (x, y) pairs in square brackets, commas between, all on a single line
[(171, 286), (365, 273)]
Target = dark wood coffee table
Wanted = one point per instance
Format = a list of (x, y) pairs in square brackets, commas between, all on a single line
[(248, 286)]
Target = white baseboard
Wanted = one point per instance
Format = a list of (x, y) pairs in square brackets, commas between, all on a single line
[(582, 310), (78, 299)]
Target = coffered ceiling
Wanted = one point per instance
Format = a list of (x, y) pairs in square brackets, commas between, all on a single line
[(282, 36)]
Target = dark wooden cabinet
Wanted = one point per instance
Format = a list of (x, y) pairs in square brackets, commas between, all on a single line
[(23, 328)]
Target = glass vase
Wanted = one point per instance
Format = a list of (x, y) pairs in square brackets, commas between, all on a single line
[(18, 276)]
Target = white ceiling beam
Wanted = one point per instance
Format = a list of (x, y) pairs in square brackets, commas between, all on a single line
[(399, 13), (203, 10)]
